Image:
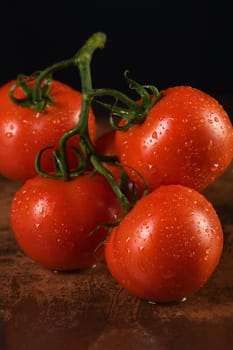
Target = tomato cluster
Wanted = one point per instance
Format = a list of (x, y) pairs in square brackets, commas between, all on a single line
[(131, 197)]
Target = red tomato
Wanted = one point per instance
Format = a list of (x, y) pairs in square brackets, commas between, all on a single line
[(106, 146), (168, 245), (52, 219), (186, 138), (24, 131)]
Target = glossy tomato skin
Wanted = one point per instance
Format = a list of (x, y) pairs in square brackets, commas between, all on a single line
[(186, 138), (168, 246), (52, 219), (24, 131), (105, 145)]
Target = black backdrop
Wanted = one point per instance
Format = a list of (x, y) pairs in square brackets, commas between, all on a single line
[(159, 42)]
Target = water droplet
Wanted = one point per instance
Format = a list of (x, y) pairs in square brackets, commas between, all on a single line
[(183, 300), (115, 216), (150, 166), (191, 254), (214, 167), (210, 145), (207, 251)]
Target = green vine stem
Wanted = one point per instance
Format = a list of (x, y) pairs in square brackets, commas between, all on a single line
[(132, 112), (37, 97), (29, 101), (88, 154)]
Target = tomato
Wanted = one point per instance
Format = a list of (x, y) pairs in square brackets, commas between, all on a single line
[(168, 245), (51, 219), (186, 138), (24, 131), (105, 145)]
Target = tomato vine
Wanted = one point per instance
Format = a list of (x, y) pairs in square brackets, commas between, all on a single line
[(37, 97), (165, 146)]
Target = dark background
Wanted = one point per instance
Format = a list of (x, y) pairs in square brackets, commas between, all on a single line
[(160, 42)]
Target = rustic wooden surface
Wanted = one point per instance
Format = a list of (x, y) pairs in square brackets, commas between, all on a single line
[(41, 309)]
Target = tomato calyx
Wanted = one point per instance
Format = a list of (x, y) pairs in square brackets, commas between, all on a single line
[(37, 94), (128, 110), (36, 97)]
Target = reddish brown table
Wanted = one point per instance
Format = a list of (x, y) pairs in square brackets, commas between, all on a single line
[(41, 309)]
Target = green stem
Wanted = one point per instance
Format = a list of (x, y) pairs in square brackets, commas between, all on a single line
[(107, 174), (36, 91), (82, 61), (88, 154), (133, 112), (117, 95), (37, 97)]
